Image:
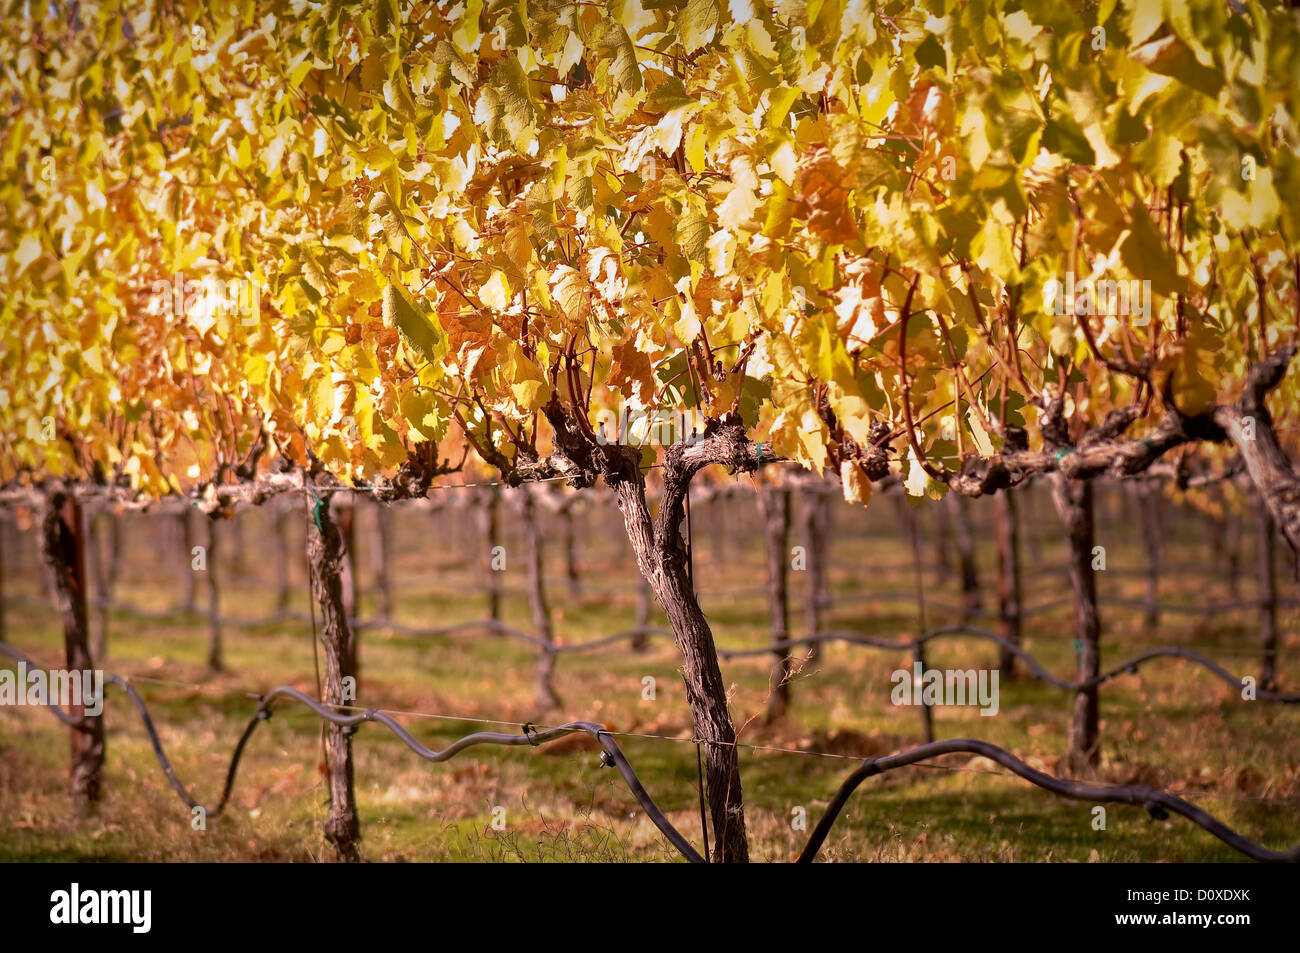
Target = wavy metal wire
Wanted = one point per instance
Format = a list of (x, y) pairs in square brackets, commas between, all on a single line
[(612, 755), (1156, 802)]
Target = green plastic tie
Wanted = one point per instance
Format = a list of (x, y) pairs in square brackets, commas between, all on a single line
[(316, 508)]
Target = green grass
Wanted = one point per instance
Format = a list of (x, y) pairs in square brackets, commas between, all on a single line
[(1174, 726)]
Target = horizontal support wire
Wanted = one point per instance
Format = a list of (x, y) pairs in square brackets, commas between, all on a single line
[(1036, 668), (840, 604)]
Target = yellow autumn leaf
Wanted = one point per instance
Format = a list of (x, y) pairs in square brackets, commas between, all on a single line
[(857, 488)]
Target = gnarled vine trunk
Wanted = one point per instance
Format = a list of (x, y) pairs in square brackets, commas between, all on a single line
[(661, 556), (326, 555), (63, 548), (1249, 426), (1073, 500)]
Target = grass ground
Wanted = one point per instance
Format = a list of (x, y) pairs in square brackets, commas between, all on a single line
[(1173, 726)]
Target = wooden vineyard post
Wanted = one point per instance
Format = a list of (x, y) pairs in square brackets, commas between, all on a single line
[(644, 598), (4, 541), (326, 556), (545, 690), (1073, 500), (817, 536), (235, 560), (489, 530), (1267, 530), (570, 540), (458, 520), (383, 542), (1007, 532), (942, 538), (114, 565), (731, 548), (910, 528), (1031, 505), (216, 659), (280, 529), (1147, 503), (63, 548), (345, 517), (1232, 550), (99, 571), (1225, 545), (970, 580), (774, 501), (185, 536)]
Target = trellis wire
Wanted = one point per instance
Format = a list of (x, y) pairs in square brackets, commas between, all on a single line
[(1037, 669)]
